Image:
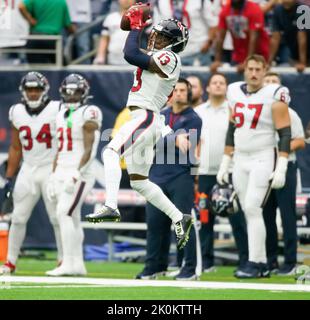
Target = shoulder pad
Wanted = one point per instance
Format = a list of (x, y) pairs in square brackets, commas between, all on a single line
[(282, 93), (92, 113), (167, 61), (12, 110)]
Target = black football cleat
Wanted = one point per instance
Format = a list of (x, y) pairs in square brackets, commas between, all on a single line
[(182, 229), (253, 270), (105, 214)]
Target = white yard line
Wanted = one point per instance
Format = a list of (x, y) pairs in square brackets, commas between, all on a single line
[(154, 283), (56, 286)]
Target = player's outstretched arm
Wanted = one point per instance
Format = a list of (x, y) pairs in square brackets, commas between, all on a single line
[(132, 52), (137, 57)]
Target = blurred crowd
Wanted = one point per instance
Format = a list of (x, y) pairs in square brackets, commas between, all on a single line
[(222, 32)]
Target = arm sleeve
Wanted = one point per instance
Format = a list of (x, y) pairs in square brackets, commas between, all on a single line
[(93, 114), (230, 135), (256, 19), (167, 62), (132, 52)]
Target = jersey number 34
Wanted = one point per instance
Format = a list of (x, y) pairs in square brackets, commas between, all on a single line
[(44, 136)]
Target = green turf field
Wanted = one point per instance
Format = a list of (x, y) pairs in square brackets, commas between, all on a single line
[(36, 268)]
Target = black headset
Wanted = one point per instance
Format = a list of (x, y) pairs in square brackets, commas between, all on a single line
[(189, 89)]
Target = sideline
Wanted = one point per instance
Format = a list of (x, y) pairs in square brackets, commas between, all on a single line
[(154, 283)]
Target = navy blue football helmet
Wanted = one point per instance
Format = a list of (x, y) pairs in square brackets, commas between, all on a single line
[(74, 90), (31, 80), (174, 30), (224, 200)]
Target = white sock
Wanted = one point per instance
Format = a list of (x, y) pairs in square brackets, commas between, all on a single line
[(58, 242), (153, 194), (256, 236), (16, 237), (113, 175), (78, 250), (68, 239)]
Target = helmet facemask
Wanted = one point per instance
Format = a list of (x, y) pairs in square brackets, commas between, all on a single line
[(174, 31), (158, 41), (72, 96), (74, 91)]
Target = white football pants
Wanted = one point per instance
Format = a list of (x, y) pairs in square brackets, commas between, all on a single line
[(30, 185), (251, 174), (68, 210)]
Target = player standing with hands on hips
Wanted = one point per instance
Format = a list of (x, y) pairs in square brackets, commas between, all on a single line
[(258, 113), (157, 73)]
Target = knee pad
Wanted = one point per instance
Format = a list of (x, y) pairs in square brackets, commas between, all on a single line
[(138, 185)]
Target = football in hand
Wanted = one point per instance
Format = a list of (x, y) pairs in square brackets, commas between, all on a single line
[(125, 22)]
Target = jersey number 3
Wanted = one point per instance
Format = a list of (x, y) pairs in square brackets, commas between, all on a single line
[(138, 81), (239, 114)]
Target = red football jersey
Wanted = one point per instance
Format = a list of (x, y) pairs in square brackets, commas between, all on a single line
[(239, 23)]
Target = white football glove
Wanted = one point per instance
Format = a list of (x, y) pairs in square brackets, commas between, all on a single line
[(279, 174), (51, 188), (71, 181), (222, 176)]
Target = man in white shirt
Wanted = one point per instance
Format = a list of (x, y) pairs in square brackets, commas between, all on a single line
[(110, 48), (215, 115), (285, 200), (201, 18), (197, 90)]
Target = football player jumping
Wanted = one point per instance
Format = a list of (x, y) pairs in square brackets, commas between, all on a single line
[(157, 72), (34, 144), (78, 132), (258, 113)]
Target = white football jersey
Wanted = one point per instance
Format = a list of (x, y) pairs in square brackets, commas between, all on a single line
[(150, 91), (37, 133), (252, 113), (70, 137)]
